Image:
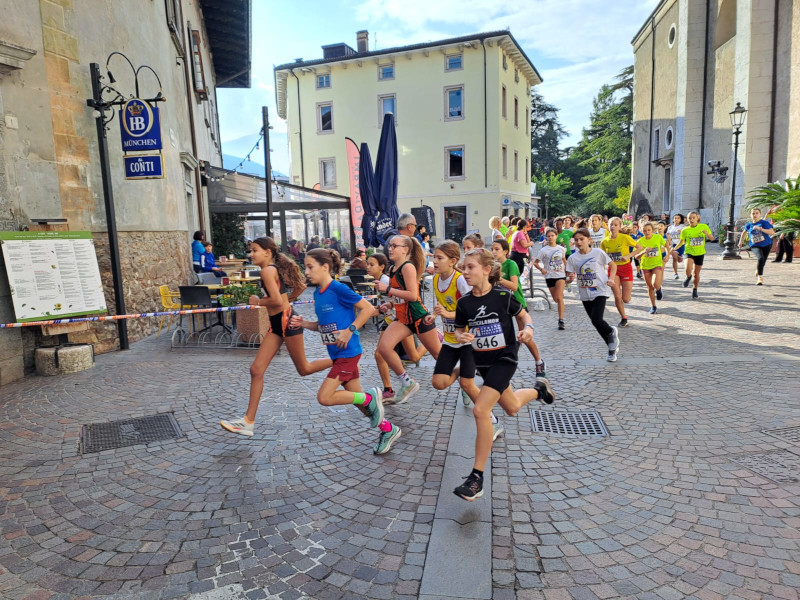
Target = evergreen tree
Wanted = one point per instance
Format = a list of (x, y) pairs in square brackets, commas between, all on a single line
[(546, 133), (606, 145)]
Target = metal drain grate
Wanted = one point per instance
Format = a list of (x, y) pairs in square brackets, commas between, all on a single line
[(568, 423), (97, 437), (787, 434), (781, 466)]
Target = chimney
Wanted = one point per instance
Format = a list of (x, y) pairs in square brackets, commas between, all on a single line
[(362, 38)]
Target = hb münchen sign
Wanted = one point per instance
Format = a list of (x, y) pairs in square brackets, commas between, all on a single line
[(140, 126)]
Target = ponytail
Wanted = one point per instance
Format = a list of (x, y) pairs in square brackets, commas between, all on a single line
[(288, 271), (325, 256)]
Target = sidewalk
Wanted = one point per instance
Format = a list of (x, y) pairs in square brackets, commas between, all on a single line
[(687, 498)]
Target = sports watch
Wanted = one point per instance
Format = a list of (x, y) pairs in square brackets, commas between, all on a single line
[(353, 328)]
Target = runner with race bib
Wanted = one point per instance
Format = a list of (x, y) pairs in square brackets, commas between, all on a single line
[(693, 241), (759, 233), (618, 246), (650, 250), (484, 320)]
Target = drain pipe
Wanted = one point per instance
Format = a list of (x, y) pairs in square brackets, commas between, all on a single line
[(485, 138), (703, 110), (774, 94), (300, 125), (652, 102)]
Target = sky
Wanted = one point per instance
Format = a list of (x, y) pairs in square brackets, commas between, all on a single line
[(576, 45)]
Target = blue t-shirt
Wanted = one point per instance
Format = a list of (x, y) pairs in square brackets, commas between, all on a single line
[(335, 312), (759, 238), (197, 250)]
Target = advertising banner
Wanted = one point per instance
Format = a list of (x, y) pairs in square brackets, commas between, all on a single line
[(356, 206), (140, 126), (143, 166)]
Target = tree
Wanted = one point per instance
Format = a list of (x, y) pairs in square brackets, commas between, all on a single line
[(227, 231), (784, 201), (558, 187), (606, 145), (546, 133)]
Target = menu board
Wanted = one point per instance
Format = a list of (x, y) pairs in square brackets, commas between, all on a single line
[(52, 274)]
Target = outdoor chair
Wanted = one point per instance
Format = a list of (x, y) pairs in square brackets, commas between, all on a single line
[(168, 302), (203, 278), (198, 296)]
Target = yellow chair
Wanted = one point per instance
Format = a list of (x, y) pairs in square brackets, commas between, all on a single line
[(168, 302)]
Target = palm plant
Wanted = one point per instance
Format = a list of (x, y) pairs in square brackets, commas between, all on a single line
[(785, 203)]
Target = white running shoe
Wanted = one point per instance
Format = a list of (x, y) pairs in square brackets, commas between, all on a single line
[(239, 426), (405, 392), (613, 345), (676, 276)]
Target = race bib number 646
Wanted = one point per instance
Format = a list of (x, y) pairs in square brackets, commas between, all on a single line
[(488, 337)]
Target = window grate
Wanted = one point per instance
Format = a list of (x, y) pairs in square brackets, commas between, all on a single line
[(787, 434), (97, 437), (568, 423)]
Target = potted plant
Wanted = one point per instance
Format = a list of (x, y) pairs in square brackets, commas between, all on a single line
[(249, 323), (783, 203)]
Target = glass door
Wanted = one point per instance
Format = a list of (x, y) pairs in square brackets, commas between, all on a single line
[(455, 222)]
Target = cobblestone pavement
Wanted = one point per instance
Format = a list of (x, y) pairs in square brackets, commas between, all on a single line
[(687, 498)]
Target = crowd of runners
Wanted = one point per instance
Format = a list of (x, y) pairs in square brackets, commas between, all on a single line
[(470, 329)]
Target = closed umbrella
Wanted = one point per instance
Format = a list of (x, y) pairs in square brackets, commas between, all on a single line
[(366, 185), (386, 181)]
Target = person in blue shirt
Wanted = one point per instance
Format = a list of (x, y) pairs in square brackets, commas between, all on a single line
[(758, 231), (197, 251), (207, 262), (340, 314)]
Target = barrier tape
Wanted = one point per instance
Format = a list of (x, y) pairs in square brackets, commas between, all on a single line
[(167, 313)]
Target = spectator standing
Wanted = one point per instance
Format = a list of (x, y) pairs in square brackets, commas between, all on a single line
[(197, 251)]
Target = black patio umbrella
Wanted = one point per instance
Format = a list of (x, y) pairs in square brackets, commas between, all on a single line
[(386, 181), (366, 185)]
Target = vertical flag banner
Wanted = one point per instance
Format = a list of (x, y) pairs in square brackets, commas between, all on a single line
[(356, 206)]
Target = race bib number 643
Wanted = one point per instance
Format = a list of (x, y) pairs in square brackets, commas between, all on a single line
[(488, 337), (328, 334)]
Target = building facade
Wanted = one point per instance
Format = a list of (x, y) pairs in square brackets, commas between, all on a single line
[(49, 162), (693, 61), (462, 115)]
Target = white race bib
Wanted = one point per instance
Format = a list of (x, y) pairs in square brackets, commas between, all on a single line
[(696, 241), (328, 334), (555, 266), (651, 252), (488, 337), (756, 237), (448, 325), (586, 280), (615, 256)]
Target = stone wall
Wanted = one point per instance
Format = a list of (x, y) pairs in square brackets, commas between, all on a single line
[(149, 259)]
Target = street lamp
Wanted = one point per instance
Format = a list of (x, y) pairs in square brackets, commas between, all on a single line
[(737, 120), (546, 207)]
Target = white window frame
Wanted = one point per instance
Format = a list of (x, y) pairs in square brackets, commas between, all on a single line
[(447, 58), (320, 131), (516, 165), (516, 112), (447, 176), (656, 143), (322, 185), (323, 87), (382, 66), (447, 90), (174, 20), (669, 134), (381, 98), (503, 99), (504, 158)]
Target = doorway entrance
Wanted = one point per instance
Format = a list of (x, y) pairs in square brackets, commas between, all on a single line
[(455, 222)]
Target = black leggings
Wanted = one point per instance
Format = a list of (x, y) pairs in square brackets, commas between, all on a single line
[(761, 252), (519, 258), (595, 309)]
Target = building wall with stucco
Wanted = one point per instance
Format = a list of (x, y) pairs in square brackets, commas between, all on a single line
[(49, 161), (725, 52)]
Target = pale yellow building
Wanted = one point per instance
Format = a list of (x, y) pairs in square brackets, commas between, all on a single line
[(694, 60), (462, 110)]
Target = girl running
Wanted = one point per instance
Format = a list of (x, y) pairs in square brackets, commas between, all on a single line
[(376, 268), (596, 230), (618, 246), (650, 248), (483, 319), (279, 273), (553, 257), (673, 239), (596, 273), (635, 235), (693, 240), (759, 231), (520, 244), (472, 241), (509, 279), (448, 286), (403, 292), (340, 314)]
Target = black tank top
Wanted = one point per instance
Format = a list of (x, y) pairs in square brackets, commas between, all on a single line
[(283, 289)]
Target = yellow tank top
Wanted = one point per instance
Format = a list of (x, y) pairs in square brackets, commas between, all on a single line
[(448, 299)]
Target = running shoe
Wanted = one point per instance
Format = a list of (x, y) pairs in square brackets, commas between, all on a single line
[(239, 426), (497, 430), (375, 407), (612, 356), (540, 369), (471, 488), (546, 393), (687, 281), (561, 325), (387, 395), (408, 363), (638, 274), (465, 399), (659, 294), (614, 343), (760, 281), (623, 323), (694, 294), (653, 310), (676, 276), (405, 392), (386, 439)]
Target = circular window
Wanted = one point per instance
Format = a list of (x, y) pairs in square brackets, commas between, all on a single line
[(668, 137), (671, 37)]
